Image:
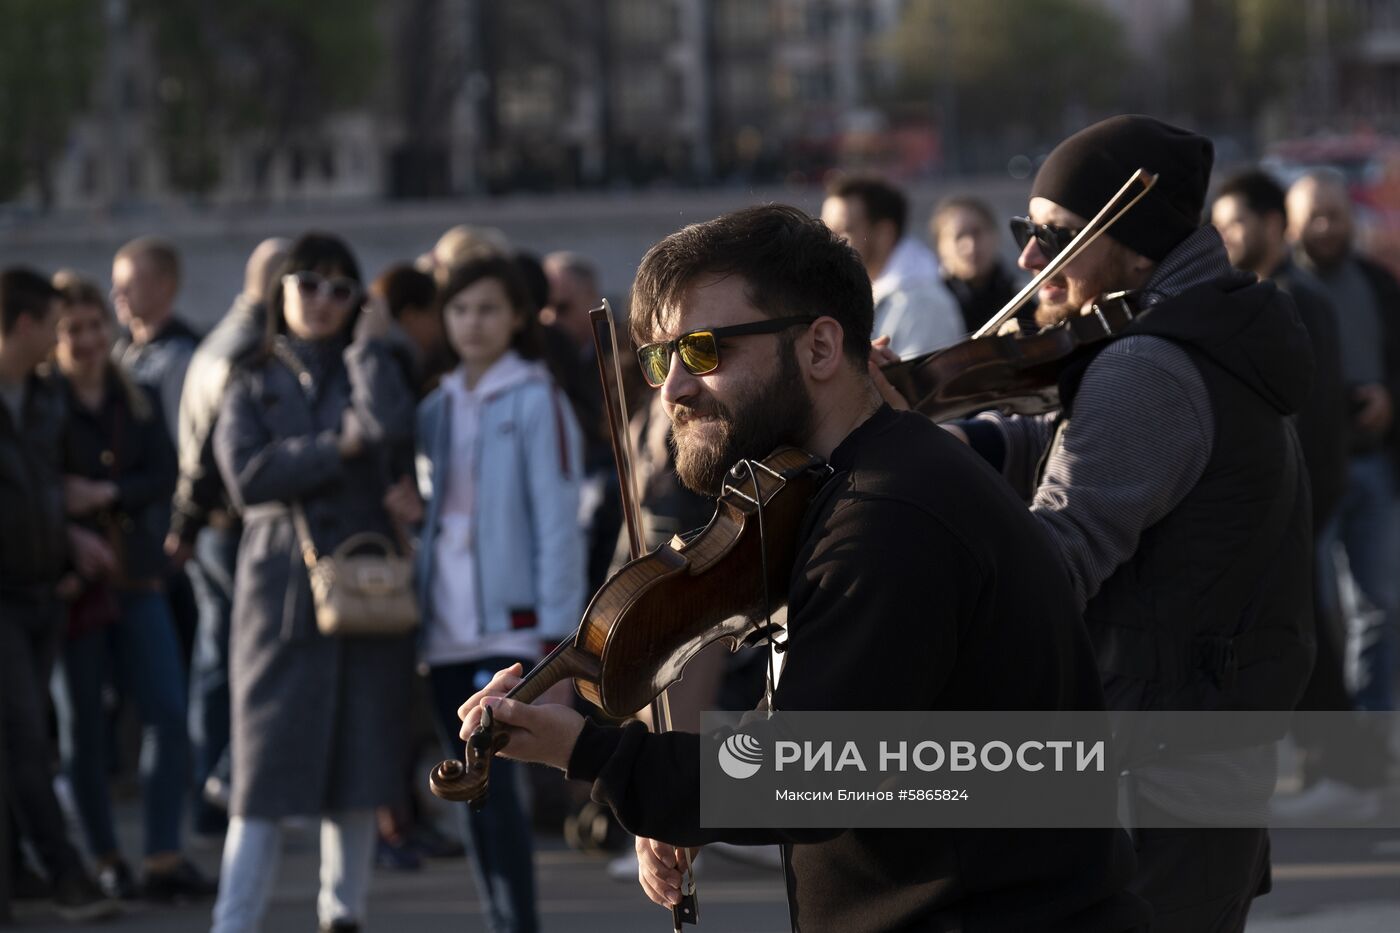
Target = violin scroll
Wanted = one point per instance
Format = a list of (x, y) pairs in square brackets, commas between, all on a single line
[(468, 782)]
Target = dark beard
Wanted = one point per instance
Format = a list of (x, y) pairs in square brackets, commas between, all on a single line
[(1110, 277), (1049, 317), (1326, 259), (774, 414)]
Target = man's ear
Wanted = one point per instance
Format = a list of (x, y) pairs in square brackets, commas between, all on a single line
[(821, 350)]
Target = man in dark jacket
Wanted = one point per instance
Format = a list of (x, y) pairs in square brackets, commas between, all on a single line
[(1367, 299), (204, 528), (1251, 215), (156, 350), (1172, 485), (158, 344), (920, 583), (34, 561)]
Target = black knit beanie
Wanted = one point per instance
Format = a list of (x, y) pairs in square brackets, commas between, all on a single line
[(1087, 169)]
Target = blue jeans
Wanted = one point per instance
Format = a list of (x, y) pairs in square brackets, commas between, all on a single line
[(1367, 526), (211, 575), (497, 835), (248, 873), (140, 655)]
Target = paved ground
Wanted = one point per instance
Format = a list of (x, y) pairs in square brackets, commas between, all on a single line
[(575, 895), (1326, 881)]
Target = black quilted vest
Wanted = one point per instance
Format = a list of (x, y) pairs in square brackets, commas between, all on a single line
[(1214, 609)]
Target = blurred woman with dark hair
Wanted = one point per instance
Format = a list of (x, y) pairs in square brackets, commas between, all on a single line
[(121, 473), (965, 235), (317, 720)]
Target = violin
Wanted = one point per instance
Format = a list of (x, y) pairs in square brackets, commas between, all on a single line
[(661, 609), (1019, 373)]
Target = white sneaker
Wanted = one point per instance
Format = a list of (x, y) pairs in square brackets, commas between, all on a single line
[(1326, 803)]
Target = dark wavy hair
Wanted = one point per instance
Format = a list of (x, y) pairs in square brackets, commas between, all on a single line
[(503, 269), (791, 263), (325, 253), (881, 200)]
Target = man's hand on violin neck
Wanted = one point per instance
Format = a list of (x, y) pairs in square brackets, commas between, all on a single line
[(541, 732)]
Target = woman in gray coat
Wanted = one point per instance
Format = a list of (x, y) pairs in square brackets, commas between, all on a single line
[(317, 721)]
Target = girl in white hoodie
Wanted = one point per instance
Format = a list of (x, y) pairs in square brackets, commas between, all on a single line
[(501, 557)]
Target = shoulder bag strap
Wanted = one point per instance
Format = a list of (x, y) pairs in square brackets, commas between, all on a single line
[(283, 354), (303, 529)]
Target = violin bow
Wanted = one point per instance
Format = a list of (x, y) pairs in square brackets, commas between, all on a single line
[(1135, 189), (615, 403)]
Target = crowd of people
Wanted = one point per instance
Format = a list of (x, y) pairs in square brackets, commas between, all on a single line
[(424, 408), (219, 532)]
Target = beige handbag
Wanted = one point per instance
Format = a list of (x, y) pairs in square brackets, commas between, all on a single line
[(364, 588), (354, 593)]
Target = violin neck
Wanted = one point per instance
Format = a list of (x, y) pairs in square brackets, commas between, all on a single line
[(909, 377), (562, 663)]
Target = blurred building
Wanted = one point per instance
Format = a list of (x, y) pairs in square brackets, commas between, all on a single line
[(1363, 86), (116, 156), (530, 95), (1146, 21), (479, 96), (689, 91)]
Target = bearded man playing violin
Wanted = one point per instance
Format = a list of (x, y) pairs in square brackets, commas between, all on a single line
[(1170, 483), (921, 583)]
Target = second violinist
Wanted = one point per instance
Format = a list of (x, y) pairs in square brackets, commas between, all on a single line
[(921, 583), (1171, 484)]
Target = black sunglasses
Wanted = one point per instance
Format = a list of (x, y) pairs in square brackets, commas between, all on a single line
[(699, 349), (1051, 239), (309, 283)]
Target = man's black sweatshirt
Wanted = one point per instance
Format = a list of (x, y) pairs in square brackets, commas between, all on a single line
[(922, 583)]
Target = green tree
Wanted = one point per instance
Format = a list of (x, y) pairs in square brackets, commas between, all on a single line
[(1019, 66), (278, 68), (48, 52)]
